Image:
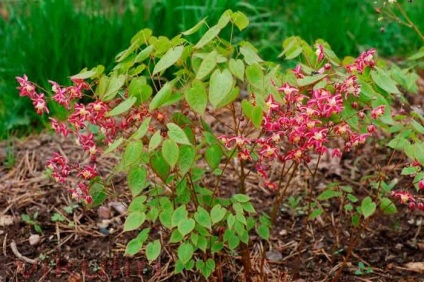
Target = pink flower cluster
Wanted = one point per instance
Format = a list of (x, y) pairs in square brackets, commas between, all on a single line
[(27, 88), (406, 198), (366, 59)]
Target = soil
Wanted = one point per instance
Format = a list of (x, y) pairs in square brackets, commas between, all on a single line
[(89, 245)]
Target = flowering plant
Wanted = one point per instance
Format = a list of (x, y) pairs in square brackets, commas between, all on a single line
[(182, 114)]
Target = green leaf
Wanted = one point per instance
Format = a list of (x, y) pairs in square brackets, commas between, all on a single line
[(315, 213), (134, 220), (218, 213), (237, 68), (186, 226), (165, 217), (170, 152), (144, 54), (113, 146), (136, 179), (185, 252), (133, 153), (241, 198), (207, 65), (134, 246), (292, 47), (155, 140), (308, 80), (328, 194), (153, 250), (234, 93), (142, 130), (418, 55), (197, 97), (160, 166), (122, 107), (176, 236), (186, 159), (220, 86), (170, 58), (202, 217), (384, 81), (177, 134), (255, 76), (233, 242), (387, 206), (257, 116), (213, 155), (368, 207), (85, 74), (250, 53), (162, 96), (98, 193), (240, 20), (208, 36), (202, 243), (263, 231), (179, 214), (113, 85), (231, 220), (194, 28), (138, 204)]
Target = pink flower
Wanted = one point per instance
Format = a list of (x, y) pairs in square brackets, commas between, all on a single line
[(377, 112), (320, 52), (40, 104)]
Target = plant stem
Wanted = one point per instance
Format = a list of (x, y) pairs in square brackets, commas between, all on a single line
[(411, 24)]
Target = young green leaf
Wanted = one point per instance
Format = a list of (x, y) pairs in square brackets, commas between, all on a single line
[(170, 152), (186, 226), (194, 28), (383, 80), (170, 58), (255, 75), (133, 153), (113, 146), (202, 217), (160, 166), (177, 134), (197, 97), (136, 179), (237, 68), (134, 246), (240, 20), (218, 213), (134, 220), (207, 65), (208, 36), (142, 130), (162, 96), (186, 158), (328, 194), (123, 107), (213, 155), (98, 193), (179, 215), (368, 207), (263, 231), (387, 206), (220, 86), (185, 252), (153, 250), (155, 141)]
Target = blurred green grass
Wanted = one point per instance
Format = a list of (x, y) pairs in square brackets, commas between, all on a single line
[(53, 39)]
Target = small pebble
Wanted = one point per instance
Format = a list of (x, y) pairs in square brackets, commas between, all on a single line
[(103, 212), (274, 256), (34, 239)]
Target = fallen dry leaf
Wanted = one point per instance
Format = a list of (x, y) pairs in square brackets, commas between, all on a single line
[(415, 266)]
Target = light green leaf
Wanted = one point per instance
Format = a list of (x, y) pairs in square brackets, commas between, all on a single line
[(387, 206), (155, 140), (144, 54), (186, 226), (263, 231), (186, 159), (368, 207), (384, 81), (113, 146), (134, 220), (307, 80), (135, 244), (292, 47), (98, 193), (185, 252), (177, 134), (202, 217), (250, 53), (257, 116), (220, 86), (161, 97), (208, 36), (255, 76), (207, 65), (328, 194), (179, 215), (241, 198), (133, 153), (138, 204), (142, 130), (237, 68), (240, 20), (213, 155), (197, 97), (160, 166), (170, 152), (194, 28), (122, 107), (218, 213), (85, 74), (153, 250), (315, 213), (114, 84), (176, 236), (170, 58), (136, 179)]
